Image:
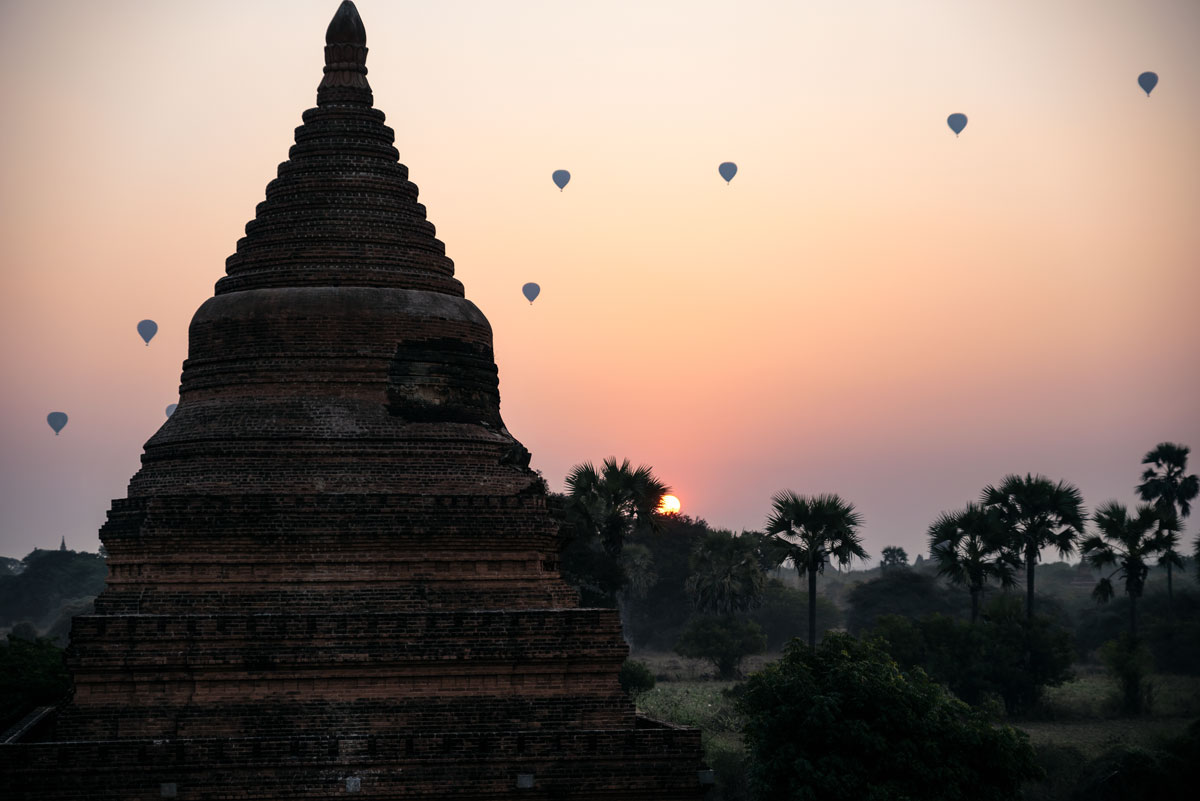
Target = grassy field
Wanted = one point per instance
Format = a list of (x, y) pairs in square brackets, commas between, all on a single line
[(704, 705), (1094, 737), (701, 704), (1091, 695), (669, 666), (1082, 714)]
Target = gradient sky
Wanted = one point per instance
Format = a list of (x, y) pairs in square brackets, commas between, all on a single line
[(873, 307)]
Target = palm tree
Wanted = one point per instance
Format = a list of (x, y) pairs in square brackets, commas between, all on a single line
[(1036, 513), (1131, 541), (968, 547), (637, 566), (615, 501), (811, 532), (1165, 485), (893, 556), (1196, 556), (726, 574), (608, 505)]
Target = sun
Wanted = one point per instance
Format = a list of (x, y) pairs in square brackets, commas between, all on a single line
[(669, 505)]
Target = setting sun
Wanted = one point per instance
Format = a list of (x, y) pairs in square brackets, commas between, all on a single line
[(669, 505)]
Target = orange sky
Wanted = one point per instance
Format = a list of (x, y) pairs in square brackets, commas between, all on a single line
[(873, 307)]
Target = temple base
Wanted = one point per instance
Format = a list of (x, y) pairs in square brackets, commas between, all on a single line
[(654, 761)]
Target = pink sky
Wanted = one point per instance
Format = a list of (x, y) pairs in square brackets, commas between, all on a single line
[(873, 307)]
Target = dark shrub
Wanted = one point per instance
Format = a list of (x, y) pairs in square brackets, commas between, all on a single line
[(841, 722), (1000, 656), (1168, 773), (723, 641), (31, 674), (901, 592), (635, 678)]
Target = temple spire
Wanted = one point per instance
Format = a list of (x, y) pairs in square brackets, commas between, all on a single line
[(345, 79), (346, 27)]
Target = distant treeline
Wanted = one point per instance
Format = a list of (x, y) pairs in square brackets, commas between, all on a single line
[(42, 592), (661, 607)]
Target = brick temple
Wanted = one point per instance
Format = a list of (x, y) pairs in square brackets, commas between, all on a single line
[(335, 573)]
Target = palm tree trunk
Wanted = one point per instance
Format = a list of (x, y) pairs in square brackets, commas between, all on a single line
[(1170, 599), (1132, 619), (1030, 559), (975, 604), (812, 609)]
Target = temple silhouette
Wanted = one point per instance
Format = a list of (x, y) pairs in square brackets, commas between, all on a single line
[(335, 572)]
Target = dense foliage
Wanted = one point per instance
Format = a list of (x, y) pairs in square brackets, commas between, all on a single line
[(635, 678), (31, 674), (1002, 657), (1174, 643), (615, 500), (656, 619), (1128, 662), (726, 574), (723, 641), (784, 612), (842, 721), (909, 593), (49, 582), (1170, 772)]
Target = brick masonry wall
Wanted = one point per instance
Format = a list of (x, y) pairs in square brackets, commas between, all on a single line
[(646, 762)]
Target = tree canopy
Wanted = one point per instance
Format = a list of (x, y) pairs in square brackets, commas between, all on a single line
[(893, 556), (1125, 543), (32, 673), (726, 574), (843, 722), (48, 580), (812, 531), (615, 500), (1165, 484), (969, 547), (1036, 513), (723, 641), (898, 592)]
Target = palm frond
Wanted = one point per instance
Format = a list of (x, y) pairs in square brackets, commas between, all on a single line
[(1170, 557), (815, 529), (1189, 488)]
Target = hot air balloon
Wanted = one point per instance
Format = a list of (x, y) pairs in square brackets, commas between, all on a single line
[(531, 291), (57, 420), (957, 122), (171, 409), (1148, 80), (147, 329), (727, 169), (561, 178)]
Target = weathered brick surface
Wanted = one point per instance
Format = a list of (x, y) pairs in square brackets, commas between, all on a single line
[(335, 562), (649, 759)]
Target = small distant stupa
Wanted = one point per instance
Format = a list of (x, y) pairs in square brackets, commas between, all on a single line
[(335, 572)]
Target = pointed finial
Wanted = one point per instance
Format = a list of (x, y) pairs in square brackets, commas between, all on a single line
[(345, 78), (346, 27)]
